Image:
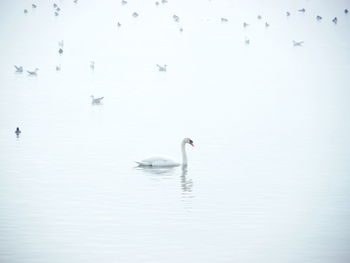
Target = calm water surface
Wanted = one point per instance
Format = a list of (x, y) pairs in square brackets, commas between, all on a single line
[(268, 178)]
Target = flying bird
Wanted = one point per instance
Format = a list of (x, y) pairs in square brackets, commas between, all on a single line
[(19, 69), (162, 68), (33, 73), (96, 100)]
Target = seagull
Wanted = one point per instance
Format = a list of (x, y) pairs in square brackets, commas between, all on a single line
[(335, 20), (346, 11), (60, 43), (33, 73), (176, 18), (302, 10), (92, 65), (124, 2), (33, 5), (224, 20), (58, 67), (318, 17), (25, 11), (164, 1), (55, 5), (160, 68), (60, 51), (19, 69), (288, 14), (18, 131), (96, 100), (259, 17), (298, 43), (56, 13), (245, 24), (247, 41), (135, 14), (267, 24)]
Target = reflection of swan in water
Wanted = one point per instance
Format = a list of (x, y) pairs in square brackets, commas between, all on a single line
[(186, 184)]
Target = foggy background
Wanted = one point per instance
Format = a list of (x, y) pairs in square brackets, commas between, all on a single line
[(268, 178)]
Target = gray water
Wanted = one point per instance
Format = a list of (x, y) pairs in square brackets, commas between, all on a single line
[(268, 178)]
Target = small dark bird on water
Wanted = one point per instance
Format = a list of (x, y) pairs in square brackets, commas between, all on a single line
[(288, 14), (60, 51), (267, 24), (319, 17), (33, 5), (17, 131), (302, 10), (25, 11), (346, 11), (259, 17), (335, 20)]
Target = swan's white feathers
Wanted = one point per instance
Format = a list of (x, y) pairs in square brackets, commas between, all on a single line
[(159, 161)]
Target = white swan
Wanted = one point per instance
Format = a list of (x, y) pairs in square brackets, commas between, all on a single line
[(164, 160)]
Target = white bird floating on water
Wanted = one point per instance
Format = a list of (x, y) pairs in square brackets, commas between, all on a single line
[(92, 65), (176, 18), (162, 68), (96, 100), (167, 161), (19, 69), (298, 43), (33, 73)]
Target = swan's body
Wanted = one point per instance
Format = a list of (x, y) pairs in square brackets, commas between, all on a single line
[(19, 69), (165, 160), (96, 100)]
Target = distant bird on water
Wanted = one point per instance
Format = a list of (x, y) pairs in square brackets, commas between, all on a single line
[(245, 24), (267, 24), (118, 24), (162, 68), (25, 11), (302, 10), (287, 13), (176, 18), (135, 14), (335, 20), (298, 43), (164, 1), (55, 5), (18, 131), (60, 51), (224, 20), (346, 11), (157, 3), (34, 6), (96, 100), (124, 2), (247, 41), (60, 43), (75, 1), (56, 14), (319, 17), (19, 69), (92, 65), (259, 17), (33, 73), (58, 67)]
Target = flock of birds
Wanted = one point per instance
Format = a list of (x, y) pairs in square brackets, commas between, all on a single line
[(156, 160)]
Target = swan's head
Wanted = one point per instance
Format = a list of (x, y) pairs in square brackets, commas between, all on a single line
[(189, 141)]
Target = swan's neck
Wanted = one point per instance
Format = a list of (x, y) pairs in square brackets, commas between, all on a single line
[(184, 155)]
